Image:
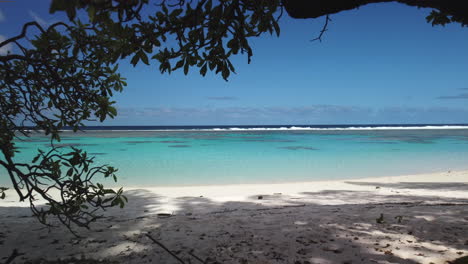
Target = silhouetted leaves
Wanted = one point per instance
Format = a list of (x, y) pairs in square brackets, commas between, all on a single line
[(65, 74), (2, 192), (195, 33)]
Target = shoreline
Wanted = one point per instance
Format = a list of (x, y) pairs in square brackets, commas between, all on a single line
[(418, 176), (376, 178), (248, 191)]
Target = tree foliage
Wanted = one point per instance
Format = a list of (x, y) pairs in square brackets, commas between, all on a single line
[(67, 73), (46, 88), (64, 75), (184, 35)]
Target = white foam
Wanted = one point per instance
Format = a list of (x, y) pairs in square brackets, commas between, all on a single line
[(291, 128), (337, 128)]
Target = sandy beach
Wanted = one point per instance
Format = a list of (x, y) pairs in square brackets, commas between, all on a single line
[(400, 219)]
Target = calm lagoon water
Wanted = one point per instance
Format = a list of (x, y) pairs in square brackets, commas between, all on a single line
[(256, 155)]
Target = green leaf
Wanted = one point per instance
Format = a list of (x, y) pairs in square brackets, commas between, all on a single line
[(186, 68), (71, 12), (91, 12), (143, 57), (178, 65), (225, 73), (135, 60), (108, 191), (231, 43), (112, 110), (176, 12), (160, 16), (212, 65), (75, 50), (277, 28), (148, 48), (57, 5), (208, 5), (217, 11), (35, 159), (156, 43), (231, 67), (203, 70)]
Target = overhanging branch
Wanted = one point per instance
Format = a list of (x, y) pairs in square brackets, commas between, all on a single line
[(317, 8)]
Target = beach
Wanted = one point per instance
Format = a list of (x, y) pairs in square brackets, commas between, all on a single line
[(237, 132), (419, 218)]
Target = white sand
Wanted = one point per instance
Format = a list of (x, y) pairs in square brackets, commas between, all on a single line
[(425, 221)]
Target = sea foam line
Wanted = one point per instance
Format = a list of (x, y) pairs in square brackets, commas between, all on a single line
[(285, 128), (338, 128)]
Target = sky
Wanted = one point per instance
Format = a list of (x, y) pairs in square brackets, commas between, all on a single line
[(379, 64)]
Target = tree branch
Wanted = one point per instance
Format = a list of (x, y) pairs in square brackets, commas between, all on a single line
[(324, 28), (165, 248), (23, 33), (318, 8)]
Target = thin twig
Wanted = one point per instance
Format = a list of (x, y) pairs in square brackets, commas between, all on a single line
[(324, 28), (165, 248)]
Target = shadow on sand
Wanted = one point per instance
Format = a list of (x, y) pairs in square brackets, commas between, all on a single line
[(276, 229)]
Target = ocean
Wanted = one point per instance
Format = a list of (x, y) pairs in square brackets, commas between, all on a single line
[(201, 155)]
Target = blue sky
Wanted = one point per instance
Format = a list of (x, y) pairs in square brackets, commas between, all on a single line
[(381, 63)]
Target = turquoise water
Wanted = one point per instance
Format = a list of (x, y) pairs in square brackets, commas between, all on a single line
[(155, 158)]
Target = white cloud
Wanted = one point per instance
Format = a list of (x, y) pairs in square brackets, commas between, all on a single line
[(2, 16), (311, 114), (38, 19), (5, 49), (458, 96), (222, 98)]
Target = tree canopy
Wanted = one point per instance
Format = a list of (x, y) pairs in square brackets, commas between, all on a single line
[(64, 75)]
